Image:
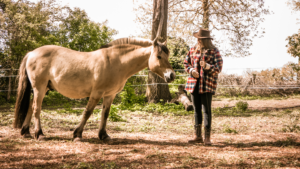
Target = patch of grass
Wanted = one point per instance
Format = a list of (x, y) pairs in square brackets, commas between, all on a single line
[(255, 97), (294, 123), (228, 129), (242, 106), (291, 128), (83, 165), (113, 114), (118, 128), (162, 108), (146, 128), (109, 165)]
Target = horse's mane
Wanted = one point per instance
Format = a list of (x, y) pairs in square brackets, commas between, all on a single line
[(129, 41), (134, 41)]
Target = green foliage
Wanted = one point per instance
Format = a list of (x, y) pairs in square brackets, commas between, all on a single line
[(294, 44), (129, 98), (24, 26), (178, 51), (293, 125), (79, 33), (113, 114), (228, 111), (53, 98), (2, 98), (83, 165), (242, 106), (109, 165), (291, 128), (228, 129), (162, 108), (69, 110)]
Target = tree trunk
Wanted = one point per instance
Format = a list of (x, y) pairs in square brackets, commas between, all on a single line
[(298, 73), (183, 98), (157, 92), (9, 84), (205, 7)]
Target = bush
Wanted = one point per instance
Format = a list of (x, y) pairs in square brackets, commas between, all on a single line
[(241, 106), (129, 98), (113, 114)]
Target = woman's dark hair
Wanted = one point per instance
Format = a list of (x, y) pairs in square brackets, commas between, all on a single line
[(207, 44)]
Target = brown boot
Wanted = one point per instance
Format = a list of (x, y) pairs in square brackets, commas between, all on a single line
[(198, 136), (207, 136)]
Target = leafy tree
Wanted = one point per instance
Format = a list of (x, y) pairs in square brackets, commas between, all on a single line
[(24, 27), (293, 40), (294, 45), (238, 20), (178, 51), (79, 33), (294, 4)]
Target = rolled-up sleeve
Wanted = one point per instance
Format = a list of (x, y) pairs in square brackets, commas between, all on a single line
[(216, 68)]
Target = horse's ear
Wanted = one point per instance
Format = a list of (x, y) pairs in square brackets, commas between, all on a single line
[(155, 41)]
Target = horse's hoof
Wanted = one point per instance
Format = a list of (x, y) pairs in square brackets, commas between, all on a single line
[(107, 139), (77, 139), (27, 136), (42, 138)]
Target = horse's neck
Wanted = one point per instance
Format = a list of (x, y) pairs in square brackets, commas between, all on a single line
[(136, 60)]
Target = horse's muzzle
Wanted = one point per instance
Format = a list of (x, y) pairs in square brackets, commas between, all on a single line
[(170, 76)]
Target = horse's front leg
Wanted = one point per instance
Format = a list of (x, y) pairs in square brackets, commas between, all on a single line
[(93, 100), (107, 101)]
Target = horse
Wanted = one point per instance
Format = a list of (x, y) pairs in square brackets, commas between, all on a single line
[(97, 74)]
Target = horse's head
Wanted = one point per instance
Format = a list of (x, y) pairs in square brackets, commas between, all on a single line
[(159, 62)]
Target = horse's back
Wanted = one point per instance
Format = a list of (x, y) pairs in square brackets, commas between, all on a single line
[(70, 72)]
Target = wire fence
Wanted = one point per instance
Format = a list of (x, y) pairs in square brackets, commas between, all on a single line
[(139, 84), (183, 74)]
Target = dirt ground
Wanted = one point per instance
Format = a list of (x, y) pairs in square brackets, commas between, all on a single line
[(261, 104), (267, 139)]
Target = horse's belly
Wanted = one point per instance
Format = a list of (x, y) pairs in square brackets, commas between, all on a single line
[(73, 89)]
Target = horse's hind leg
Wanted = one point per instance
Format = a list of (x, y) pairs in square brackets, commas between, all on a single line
[(25, 127), (93, 100), (107, 101), (38, 96)]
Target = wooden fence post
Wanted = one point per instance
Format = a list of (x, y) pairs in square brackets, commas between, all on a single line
[(9, 84)]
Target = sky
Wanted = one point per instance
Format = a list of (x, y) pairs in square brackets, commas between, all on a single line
[(267, 52)]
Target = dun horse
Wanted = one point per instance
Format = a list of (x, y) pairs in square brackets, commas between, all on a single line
[(98, 74)]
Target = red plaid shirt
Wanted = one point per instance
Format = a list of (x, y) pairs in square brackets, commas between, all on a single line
[(192, 60)]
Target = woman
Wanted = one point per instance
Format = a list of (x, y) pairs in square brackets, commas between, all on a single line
[(203, 63)]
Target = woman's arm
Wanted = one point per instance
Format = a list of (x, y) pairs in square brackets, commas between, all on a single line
[(187, 63), (216, 68)]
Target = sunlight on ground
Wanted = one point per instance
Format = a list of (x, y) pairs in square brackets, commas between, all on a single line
[(262, 139)]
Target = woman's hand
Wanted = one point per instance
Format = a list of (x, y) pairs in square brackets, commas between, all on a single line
[(202, 63), (195, 74)]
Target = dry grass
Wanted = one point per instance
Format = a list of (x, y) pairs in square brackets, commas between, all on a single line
[(262, 139)]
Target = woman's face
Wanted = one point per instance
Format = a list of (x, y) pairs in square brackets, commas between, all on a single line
[(199, 41)]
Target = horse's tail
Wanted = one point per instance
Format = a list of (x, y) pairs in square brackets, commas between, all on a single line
[(23, 95)]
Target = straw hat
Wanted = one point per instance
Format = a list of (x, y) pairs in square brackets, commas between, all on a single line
[(202, 34)]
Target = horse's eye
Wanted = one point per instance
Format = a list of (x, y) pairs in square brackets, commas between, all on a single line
[(159, 57)]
